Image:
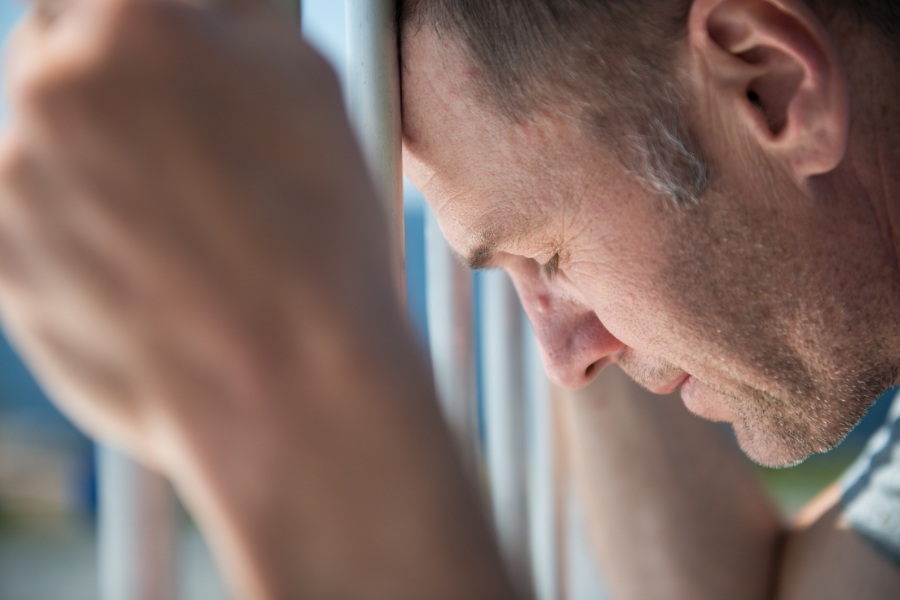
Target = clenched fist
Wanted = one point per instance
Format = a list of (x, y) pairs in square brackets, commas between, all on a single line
[(184, 216)]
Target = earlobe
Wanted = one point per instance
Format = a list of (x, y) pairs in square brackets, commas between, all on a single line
[(774, 65)]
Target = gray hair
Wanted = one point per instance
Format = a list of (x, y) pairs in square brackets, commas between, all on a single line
[(612, 61)]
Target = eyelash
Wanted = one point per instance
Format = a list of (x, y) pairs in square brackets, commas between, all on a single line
[(552, 266)]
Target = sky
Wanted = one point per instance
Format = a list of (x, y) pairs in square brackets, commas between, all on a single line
[(323, 26), (10, 11)]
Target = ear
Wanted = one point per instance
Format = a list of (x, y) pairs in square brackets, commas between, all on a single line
[(776, 69)]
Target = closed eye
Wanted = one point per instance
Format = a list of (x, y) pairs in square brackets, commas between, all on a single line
[(551, 268)]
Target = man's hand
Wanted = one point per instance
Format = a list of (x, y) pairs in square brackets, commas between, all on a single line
[(184, 215)]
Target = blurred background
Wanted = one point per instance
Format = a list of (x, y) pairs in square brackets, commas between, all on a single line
[(47, 474)]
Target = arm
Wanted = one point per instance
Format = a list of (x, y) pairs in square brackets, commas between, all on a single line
[(193, 264), (674, 512), (824, 557)]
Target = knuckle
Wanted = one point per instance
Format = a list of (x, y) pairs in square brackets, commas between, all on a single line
[(40, 90), (43, 85), (127, 43)]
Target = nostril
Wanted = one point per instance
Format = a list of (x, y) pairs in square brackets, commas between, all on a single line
[(592, 369)]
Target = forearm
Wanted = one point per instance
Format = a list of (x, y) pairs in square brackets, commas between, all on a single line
[(673, 511), (352, 493)]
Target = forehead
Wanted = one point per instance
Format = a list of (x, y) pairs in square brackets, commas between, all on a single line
[(448, 134), (486, 176)]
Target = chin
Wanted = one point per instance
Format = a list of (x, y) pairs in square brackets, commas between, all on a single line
[(783, 430), (774, 454), (781, 446)]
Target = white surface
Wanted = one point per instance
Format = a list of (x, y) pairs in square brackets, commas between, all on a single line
[(137, 543), (584, 577), (373, 104), (541, 482), (505, 418), (451, 333)]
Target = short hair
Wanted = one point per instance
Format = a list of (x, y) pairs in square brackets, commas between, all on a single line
[(610, 62)]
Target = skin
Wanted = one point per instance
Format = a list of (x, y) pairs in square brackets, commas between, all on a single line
[(213, 295), (775, 292), (768, 300), (677, 478)]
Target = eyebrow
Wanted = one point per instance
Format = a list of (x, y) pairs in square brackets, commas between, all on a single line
[(482, 256)]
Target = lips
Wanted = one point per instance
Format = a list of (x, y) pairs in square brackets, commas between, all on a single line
[(705, 402), (671, 385)]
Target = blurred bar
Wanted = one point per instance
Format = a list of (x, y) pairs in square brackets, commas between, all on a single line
[(451, 332), (542, 474), (506, 421), (373, 102), (137, 532)]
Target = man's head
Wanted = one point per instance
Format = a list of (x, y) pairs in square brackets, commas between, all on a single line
[(668, 185)]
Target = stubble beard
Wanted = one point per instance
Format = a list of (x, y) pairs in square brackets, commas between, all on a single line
[(782, 431), (815, 358)]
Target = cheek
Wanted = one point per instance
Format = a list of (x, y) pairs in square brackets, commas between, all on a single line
[(618, 274), (627, 303)]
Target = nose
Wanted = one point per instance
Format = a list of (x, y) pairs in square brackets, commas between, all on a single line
[(574, 344)]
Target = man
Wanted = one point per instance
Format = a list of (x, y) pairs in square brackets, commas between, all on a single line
[(700, 192), (706, 210)]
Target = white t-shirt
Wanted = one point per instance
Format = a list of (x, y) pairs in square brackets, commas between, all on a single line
[(871, 497)]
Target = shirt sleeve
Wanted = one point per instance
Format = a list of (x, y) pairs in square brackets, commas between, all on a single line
[(871, 499)]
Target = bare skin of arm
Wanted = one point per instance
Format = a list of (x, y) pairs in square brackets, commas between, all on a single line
[(193, 263), (674, 511)]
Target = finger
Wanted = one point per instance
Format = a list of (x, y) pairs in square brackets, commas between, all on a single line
[(55, 37), (87, 389), (44, 250), (22, 186)]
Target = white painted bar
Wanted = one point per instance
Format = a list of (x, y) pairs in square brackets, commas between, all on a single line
[(542, 482), (137, 531), (373, 102), (451, 333), (505, 420)]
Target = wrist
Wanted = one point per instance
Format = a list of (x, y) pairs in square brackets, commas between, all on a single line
[(342, 486)]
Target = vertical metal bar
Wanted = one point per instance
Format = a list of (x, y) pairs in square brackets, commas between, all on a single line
[(542, 509), (451, 333), (561, 494), (505, 420), (137, 534), (373, 102)]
